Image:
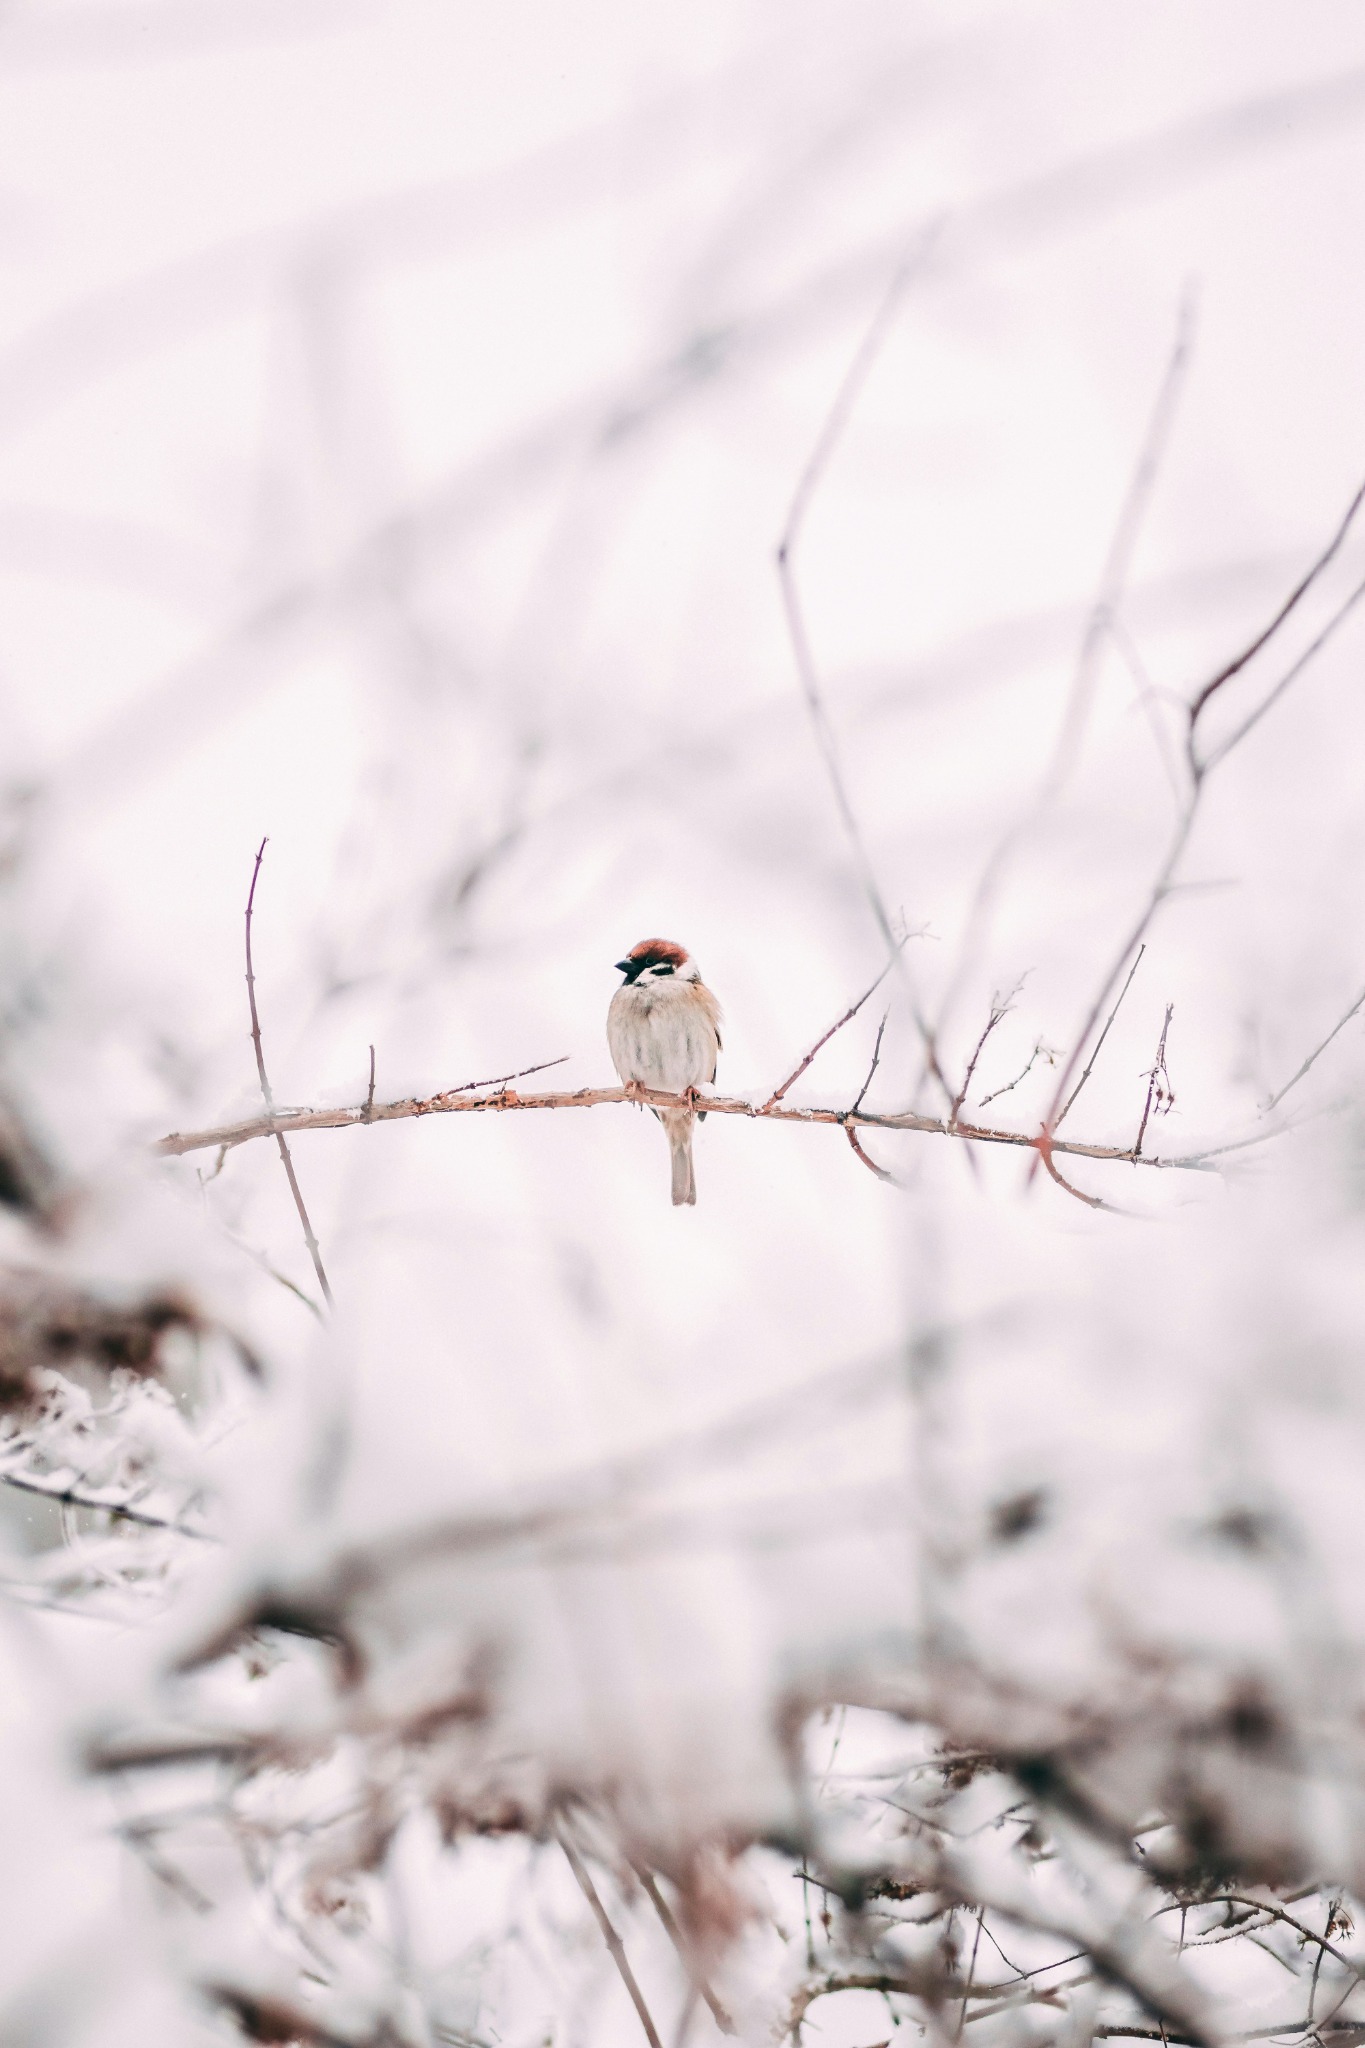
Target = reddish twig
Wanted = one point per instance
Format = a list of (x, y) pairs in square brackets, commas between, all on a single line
[(868, 1161), (1045, 1150), (1158, 1085), (998, 1010), (876, 1056), (824, 1039), (1267, 634), (295, 1190)]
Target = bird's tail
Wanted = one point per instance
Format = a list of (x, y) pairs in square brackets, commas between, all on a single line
[(680, 1149)]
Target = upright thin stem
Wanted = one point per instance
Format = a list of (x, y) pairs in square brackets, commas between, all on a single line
[(295, 1190)]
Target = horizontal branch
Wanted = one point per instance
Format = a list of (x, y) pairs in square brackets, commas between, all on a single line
[(222, 1137), (54, 1487)]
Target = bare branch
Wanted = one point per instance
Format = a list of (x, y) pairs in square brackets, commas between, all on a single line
[(849, 1014), (295, 1190), (369, 1098), (684, 1948), (1123, 546), (827, 440), (868, 1161), (1040, 1051), (876, 1056), (1200, 771), (1098, 629), (1263, 638), (1313, 1057), (998, 1010), (1056, 1123), (100, 1503), (507, 1100), (1147, 694), (610, 1936), (1158, 1084), (1295, 669), (1045, 1152), (835, 1981)]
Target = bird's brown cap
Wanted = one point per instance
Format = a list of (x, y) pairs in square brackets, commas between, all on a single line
[(652, 953)]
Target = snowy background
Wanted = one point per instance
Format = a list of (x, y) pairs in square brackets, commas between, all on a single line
[(400, 407)]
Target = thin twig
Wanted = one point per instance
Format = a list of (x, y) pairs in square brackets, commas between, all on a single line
[(76, 1497), (610, 1937), (868, 1161), (876, 1055), (971, 1974), (1275, 1912), (683, 1946), (1199, 774), (369, 1099), (884, 1981), (266, 1265), (1045, 1152), (295, 1190), (1057, 1122), (849, 1014), (1158, 1083), (1262, 639), (1123, 545), (1296, 668), (1038, 1053), (826, 441), (1313, 1057), (1147, 695), (998, 1010), (1099, 620)]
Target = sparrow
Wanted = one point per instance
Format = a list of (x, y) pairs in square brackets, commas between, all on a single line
[(663, 1031)]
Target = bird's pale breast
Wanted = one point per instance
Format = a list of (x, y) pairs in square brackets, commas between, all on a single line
[(661, 1037)]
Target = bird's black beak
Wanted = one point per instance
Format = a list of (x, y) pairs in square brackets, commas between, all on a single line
[(623, 966)]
